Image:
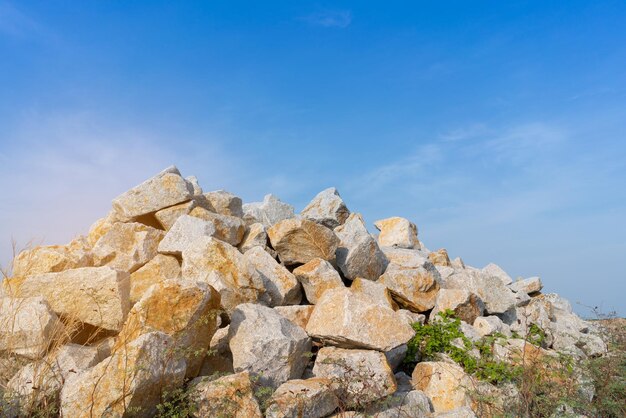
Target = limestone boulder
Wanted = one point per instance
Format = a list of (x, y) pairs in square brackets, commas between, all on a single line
[(404, 258), (223, 267), (462, 412), (132, 379), (167, 188), (327, 208), (168, 216), (310, 398), (465, 305), (351, 319), (230, 229), (255, 236), (229, 396), (127, 246), (404, 404), (160, 268), (358, 254), (47, 259), (225, 203), (527, 286), (317, 276), (269, 212), (489, 325), (185, 230), (267, 345), (361, 376), (27, 326), (99, 228), (439, 258), (411, 317), (194, 184), (98, 296), (494, 270), (446, 384), (298, 314), (299, 241), (397, 232), (414, 289), (496, 296), (183, 309), (375, 291), (280, 284)]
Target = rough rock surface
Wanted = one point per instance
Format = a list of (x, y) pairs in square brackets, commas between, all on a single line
[(280, 284), (440, 258), (299, 241), (160, 268), (528, 286), (298, 314), (268, 212), (466, 305), (447, 385), (228, 396), (327, 208), (227, 228), (494, 270), (496, 296), (268, 345), (358, 254), (414, 289), (225, 203), (168, 216), (48, 259), (397, 232), (317, 276), (310, 398), (377, 292), (255, 236), (185, 231)]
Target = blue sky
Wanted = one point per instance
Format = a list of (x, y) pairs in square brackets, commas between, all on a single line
[(499, 128)]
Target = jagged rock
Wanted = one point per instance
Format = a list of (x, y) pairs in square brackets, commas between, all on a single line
[(225, 203), (185, 230), (27, 326), (98, 296), (404, 258), (375, 291), (439, 258), (404, 404), (466, 305), (266, 344), (316, 277), (99, 228), (310, 398), (494, 270), (298, 241), (414, 289), (223, 267), (298, 314), (132, 379), (192, 181), (488, 325), (458, 264), (362, 376), (160, 268), (527, 286), (127, 246), (358, 254), (41, 381), (165, 189), (411, 317), (397, 232), (228, 396), (447, 385), (227, 228), (351, 319), (327, 208), (255, 236), (168, 216), (268, 212), (469, 331), (48, 259), (462, 412), (496, 296), (445, 272), (185, 310), (280, 284)]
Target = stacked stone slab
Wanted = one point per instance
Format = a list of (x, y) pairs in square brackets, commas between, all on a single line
[(308, 314)]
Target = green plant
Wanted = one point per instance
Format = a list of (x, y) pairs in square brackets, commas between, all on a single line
[(175, 404)]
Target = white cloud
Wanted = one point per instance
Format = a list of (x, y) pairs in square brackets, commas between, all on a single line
[(331, 18)]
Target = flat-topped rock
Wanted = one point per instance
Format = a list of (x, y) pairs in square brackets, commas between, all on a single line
[(397, 232)]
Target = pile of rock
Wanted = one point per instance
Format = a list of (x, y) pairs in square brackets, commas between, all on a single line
[(252, 308)]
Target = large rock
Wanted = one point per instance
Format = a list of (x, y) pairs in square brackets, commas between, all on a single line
[(48, 259), (299, 241), (375, 291), (465, 305), (310, 398), (127, 246), (298, 314), (489, 325), (494, 270), (160, 268), (404, 258), (447, 385), (27, 326), (185, 310), (402, 404), (130, 382), (528, 286), (268, 212), (225, 203), (414, 289), (168, 216), (224, 268), (280, 284), (268, 345), (165, 189), (358, 254), (317, 276), (327, 208), (227, 228), (496, 296), (228, 396), (98, 296), (361, 376), (397, 232), (185, 230), (351, 319), (255, 236), (39, 383)]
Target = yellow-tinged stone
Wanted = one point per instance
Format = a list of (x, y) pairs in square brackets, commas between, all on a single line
[(281, 285), (167, 217), (414, 289), (99, 228), (376, 291), (298, 241), (160, 268), (183, 309), (254, 236), (466, 305), (397, 232), (229, 396), (298, 314), (447, 385), (317, 276), (439, 257), (51, 258), (312, 397), (129, 383), (227, 228)]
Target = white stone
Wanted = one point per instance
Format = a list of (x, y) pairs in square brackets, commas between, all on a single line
[(185, 230), (397, 232), (280, 284), (268, 212), (327, 208), (358, 254), (494, 270), (225, 203)]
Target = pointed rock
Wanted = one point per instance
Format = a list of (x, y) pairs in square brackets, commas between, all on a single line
[(168, 216), (397, 232), (316, 277), (414, 289), (225, 203), (358, 254), (494, 270), (466, 305), (298, 241), (327, 208), (268, 212), (280, 284), (255, 236), (440, 258)]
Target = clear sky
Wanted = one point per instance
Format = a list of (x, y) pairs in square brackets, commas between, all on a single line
[(498, 127)]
